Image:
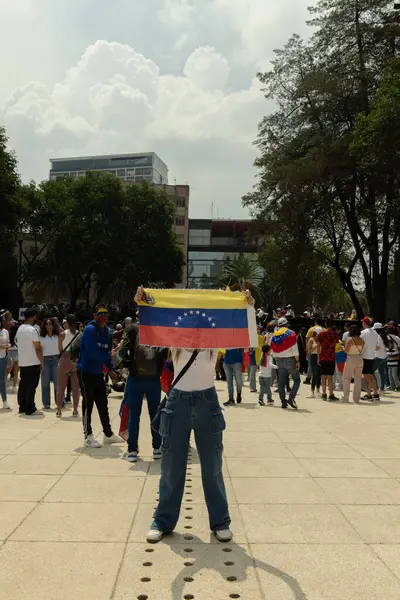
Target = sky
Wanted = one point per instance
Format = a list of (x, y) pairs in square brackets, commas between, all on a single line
[(175, 77)]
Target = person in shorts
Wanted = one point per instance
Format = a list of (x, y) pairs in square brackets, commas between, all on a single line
[(371, 346), (326, 348)]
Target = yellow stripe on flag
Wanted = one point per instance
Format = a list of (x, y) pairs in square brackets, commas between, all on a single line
[(196, 299)]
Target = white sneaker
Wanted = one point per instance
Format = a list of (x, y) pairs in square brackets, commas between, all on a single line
[(157, 454), (154, 536), (312, 395), (113, 439), (6, 406), (14, 389), (224, 535), (91, 442), (130, 456)]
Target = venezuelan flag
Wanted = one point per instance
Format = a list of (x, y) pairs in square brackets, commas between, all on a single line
[(283, 339), (341, 357), (197, 319)]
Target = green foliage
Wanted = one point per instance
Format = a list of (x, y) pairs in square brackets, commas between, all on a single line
[(313, 179)]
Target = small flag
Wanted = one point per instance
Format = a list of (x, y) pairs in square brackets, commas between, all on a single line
[(197, 319)]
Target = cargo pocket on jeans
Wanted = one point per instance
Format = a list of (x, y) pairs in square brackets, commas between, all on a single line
[(165, 429), (219, 426)]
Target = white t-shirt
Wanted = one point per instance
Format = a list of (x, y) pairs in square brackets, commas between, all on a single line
[(371, 340), (4, 340), (345, 336), (49, 345), (267, 371), (200, 375), (69, 336), (382, 352), (26, 335)]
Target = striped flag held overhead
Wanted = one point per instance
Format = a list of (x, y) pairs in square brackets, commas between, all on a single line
[(197, 319)]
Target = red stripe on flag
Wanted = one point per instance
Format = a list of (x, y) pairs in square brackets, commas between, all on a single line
[(175, 337)]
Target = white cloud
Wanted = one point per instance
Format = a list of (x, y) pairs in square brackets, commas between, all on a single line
[(116, 100), (178, 79)]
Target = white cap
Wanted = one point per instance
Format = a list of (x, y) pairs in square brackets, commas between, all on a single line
[(283, 321), (378, 326)]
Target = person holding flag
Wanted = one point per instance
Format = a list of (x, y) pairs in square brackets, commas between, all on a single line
[(194, 324)]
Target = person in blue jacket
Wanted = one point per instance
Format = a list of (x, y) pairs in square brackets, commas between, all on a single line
[(95, 353), (233, 363)]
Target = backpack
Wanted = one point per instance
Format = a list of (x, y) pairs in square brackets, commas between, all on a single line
[(74, 349)]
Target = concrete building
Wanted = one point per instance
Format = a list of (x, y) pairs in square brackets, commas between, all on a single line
[(127, 167), (211, 244)]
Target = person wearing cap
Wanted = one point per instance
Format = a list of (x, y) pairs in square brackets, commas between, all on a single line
[(95, 353), (371, 346), (30, 356), (380, 360), (286, 353)]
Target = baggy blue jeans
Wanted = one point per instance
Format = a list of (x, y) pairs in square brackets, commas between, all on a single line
[(183, 412), (49, 373), (136, 389), (286, 367), (231, 371), (252, 377), (265, 387)]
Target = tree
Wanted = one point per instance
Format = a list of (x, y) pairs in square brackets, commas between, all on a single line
[(308, 167), (112, 239), (243, 270), (12, 209)]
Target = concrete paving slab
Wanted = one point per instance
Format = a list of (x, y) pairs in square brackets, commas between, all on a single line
[(87, 488), (265, 467), (375, 524), (172, 573), (11, 515), (274, 490), (323, 572), (36, 464), (78, 522), (50, 570), (25, 488), (108, 466), (347, 467), (323, 524), (361, 491)]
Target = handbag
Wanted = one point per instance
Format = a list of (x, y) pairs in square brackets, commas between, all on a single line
[(155, 424)]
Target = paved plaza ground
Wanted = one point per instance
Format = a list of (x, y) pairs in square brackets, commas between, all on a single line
[(314, 499)]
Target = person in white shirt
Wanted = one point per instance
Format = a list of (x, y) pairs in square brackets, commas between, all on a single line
[(267, 367), (30, 358), (380, 361), (4, 346), (285, 349), (371, 346), (49, 341)]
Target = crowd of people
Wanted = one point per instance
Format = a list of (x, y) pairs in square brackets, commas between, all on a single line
[(78, 358)]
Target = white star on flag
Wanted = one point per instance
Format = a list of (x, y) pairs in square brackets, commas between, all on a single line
[(197, 312), (191, 312), (203, 315), (185, 314), (176, 323), (209, 318), (213, 324), (179, 318)]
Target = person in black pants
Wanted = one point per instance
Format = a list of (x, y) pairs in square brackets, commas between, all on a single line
[(95, 353), (302, 344), (30, 357)]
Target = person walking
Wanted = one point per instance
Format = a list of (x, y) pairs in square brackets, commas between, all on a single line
[(95, 353), (30, 357), (192, 404), (67, 368), (49, 333), (312, 349), (12, 357), (326, 342), (393, 366), (285, 349), (267, 367), (302, 345), (371, 346), (233, 364), (145, 369), (252, 370), (353, 367), (4, 347)]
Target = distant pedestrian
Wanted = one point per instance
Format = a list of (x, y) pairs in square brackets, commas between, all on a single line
[(326, 341), (233, 365), (267, 367), (285, 348), (4, 347), (49, 341), (30, 358), (354, 364)]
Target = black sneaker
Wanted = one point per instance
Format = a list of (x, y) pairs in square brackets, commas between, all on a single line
[(230, 402), (284, 405), (261, 402), (367, 397), (254, 391), (376, 398), (239, 398), (292, 403), (324, 397), (270, 401), (333, 398), (307, 381)]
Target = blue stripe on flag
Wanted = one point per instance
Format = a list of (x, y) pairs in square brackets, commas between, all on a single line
[(193, 318)]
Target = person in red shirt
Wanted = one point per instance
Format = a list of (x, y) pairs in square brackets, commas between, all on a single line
[(326, 348)]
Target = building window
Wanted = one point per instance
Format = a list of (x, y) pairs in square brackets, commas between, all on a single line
[(179, 220), (180, 202)]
